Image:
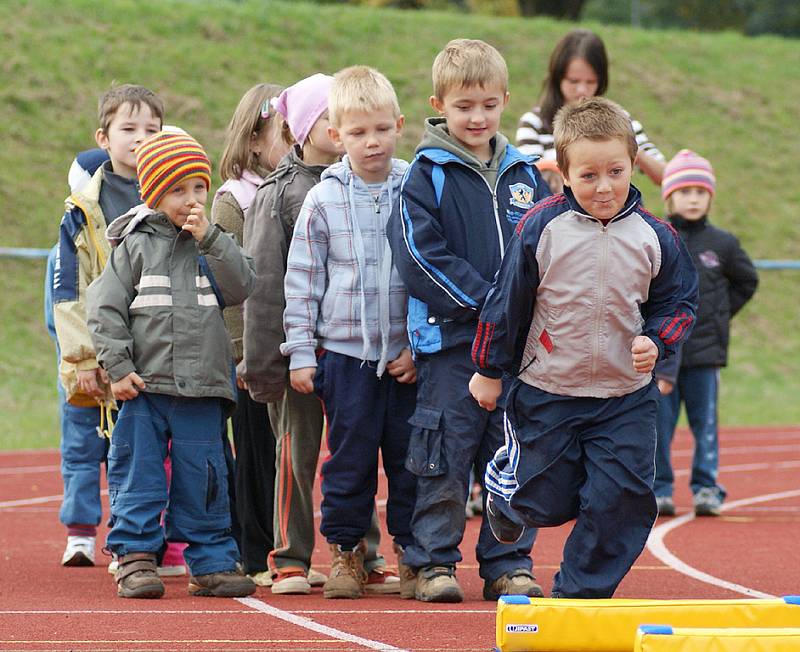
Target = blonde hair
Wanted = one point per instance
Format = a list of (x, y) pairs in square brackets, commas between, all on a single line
[(116, 96), (594, 118), (466, 63), (360, 88), (248, 122)]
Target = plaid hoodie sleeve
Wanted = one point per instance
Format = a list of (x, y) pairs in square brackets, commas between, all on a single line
[(304, 284)]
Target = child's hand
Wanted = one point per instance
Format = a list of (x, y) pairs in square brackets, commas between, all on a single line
[(485, 390), (644, 353), (90, 381), (197, 223), (402, 368), (302, 380), (128, 387), (665, 387)]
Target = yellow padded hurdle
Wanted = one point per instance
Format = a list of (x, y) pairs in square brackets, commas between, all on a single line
[(662, 638), (564, 625)]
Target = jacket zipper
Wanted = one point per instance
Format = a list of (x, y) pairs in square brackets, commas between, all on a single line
[(601, 299), (495, 206)]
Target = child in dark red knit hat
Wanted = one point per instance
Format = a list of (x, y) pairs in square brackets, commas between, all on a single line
[(727, 281), (155, 316)]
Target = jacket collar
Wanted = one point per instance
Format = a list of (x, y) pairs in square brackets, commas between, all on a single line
[(683, 224), (343, 173)]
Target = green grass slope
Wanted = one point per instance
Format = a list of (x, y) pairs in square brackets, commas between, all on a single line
[(731, 98)]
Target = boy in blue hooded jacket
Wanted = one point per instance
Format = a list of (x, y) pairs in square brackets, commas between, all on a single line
[(463, 195)]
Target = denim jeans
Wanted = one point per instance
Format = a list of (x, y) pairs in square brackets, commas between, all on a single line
[(198, 511), (82, 450), (697, 388)]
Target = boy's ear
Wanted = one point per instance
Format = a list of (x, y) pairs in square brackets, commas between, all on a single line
[(505, 99), (400, 122), (101, 139), (335, 136), (437, 104)]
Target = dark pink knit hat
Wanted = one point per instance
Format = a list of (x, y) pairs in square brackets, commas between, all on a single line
[(687, 169)]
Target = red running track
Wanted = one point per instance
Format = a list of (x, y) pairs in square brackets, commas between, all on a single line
[(751, 549)]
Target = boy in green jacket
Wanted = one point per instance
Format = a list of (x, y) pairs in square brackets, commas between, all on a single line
[(155, 316)]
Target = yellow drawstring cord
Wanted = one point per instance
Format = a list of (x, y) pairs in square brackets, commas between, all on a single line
[(106, 427)]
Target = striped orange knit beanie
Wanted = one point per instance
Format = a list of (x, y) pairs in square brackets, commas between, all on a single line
[(687, 169), (166, 158)]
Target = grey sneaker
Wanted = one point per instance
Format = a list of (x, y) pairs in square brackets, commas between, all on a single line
[(438, 584), (517, 582), (503, 528), (665, 506), (227, 584), (136, 576), (707, 502)]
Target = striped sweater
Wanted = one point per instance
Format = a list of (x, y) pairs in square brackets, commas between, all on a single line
[(535, 139)]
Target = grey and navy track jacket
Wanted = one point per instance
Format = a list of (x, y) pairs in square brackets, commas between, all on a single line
[(449, 237), (572, 293)]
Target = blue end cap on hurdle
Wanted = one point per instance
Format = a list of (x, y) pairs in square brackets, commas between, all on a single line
[(792, 599), (515, 599), (665, 630)]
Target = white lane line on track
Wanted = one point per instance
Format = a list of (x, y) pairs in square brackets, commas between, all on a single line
[(754, 466), (24, 502), (306, 623), (29, 469), (656, 545), (30, 501), (743, 450)]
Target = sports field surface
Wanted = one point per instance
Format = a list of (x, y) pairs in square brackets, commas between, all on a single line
[(751, 550)]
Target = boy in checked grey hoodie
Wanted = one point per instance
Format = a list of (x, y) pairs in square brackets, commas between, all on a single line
[(345, 326), (296, 418)]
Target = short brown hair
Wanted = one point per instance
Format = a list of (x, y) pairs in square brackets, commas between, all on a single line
[(111, 100), (466, 63), (594, 118), (360, 88)]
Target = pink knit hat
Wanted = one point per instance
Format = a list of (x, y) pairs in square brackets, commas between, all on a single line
[(303, 103), (687, 169)]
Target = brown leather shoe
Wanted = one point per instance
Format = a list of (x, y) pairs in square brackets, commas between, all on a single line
[(227, 584), (136, 576)]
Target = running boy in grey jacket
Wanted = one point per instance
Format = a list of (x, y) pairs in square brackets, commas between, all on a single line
[(592, 291), (345, 326), (155, 316)]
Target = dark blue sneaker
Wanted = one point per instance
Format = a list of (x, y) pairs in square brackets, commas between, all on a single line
[(503, 528)]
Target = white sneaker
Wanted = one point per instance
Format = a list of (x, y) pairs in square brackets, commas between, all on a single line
[(113, 566), (315, 578), (79, 551), (263, 578), (291, 583), (171, 571)]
